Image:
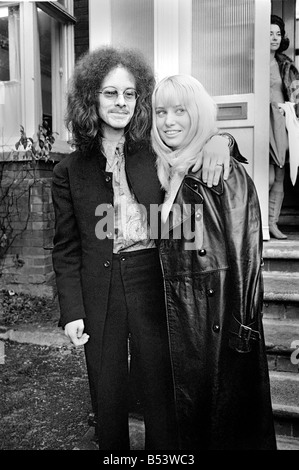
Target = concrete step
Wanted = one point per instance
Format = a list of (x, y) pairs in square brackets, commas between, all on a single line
[(285, 391), (281, 255), (278, 310), (285, 404), (282, 344), (289, 219), (287, 443), (284, 441), (281, 286), (281, 295), (283, 335)]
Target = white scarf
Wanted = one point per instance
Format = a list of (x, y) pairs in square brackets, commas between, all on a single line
[(175, 183)]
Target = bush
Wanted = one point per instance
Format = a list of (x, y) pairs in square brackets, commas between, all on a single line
[(24, 308)]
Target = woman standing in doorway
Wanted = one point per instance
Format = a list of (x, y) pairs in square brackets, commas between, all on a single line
[(283, 75)]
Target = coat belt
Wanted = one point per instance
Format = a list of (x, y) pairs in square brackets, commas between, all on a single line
[(242, 336)]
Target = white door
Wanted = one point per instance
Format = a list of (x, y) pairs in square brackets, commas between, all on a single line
[(224, 44)]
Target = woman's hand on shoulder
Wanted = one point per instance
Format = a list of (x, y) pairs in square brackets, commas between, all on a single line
[(214, 157)]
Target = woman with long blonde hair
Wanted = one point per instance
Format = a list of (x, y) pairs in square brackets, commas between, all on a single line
[(212, 280)]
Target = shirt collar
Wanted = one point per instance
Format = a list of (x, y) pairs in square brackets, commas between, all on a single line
[(110, 146)]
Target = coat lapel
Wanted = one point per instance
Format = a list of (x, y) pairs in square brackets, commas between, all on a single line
[(142, 177), (91, 173)]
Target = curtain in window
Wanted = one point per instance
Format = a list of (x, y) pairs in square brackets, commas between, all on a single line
[(14, 43), (10, 91), (133, 25), (37, 69), (11, 115), (223, 45)]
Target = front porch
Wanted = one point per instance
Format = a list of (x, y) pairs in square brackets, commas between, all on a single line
[(281, 325)]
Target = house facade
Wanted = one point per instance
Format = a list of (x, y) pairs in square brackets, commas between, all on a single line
[(225, 44)]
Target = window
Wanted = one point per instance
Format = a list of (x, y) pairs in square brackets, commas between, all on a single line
[(223, 45), (10, 73), (133, 24), (44, 32), (36, 41), (4, 45)]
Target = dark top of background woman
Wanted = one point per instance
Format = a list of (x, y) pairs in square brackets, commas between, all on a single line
[(287, 68)]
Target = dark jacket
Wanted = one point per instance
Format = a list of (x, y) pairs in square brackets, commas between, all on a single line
[(290, 79), (214, 299), (82, 262)]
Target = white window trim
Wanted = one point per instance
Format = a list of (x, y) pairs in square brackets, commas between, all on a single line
[(30, 119), (63, 54), (100, 31), (63, 58), (185, 36), (58, 11), (167, 26)]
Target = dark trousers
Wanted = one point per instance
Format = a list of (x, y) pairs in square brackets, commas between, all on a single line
[(136, 308)]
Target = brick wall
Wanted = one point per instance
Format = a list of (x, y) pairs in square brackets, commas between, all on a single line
[(26, 207), (27, 214), (81, 27)]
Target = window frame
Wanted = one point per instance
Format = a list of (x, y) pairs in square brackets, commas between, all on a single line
[(57, 11), (62, 55)]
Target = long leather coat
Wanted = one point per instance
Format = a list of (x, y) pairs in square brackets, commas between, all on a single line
[(214, 292)]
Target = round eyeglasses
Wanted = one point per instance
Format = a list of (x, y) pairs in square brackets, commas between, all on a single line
[(112, 94)]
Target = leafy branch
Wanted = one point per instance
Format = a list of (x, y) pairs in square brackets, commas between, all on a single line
[(15, 189), (41, 148)]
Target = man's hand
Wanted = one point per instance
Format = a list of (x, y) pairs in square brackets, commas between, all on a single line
[(214, 157), (74, 331)]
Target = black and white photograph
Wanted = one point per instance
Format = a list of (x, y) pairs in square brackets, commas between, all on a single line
[(149, 228)]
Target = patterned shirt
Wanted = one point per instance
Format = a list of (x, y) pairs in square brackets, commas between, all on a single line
[(131, 231)]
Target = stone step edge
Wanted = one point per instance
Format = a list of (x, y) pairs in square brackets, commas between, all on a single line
[(287, 442), (281, 297), (283, 294), (57, 339), (281, 336), (294, 376), (284, 275), (36, 334), (278, 350), (285, 250), (285, 411)]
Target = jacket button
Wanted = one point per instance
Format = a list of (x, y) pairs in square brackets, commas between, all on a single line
[(195, 186), (216, 328), (211, 292), (107, 264), (202, 252), (108, 179), (123, 258)]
